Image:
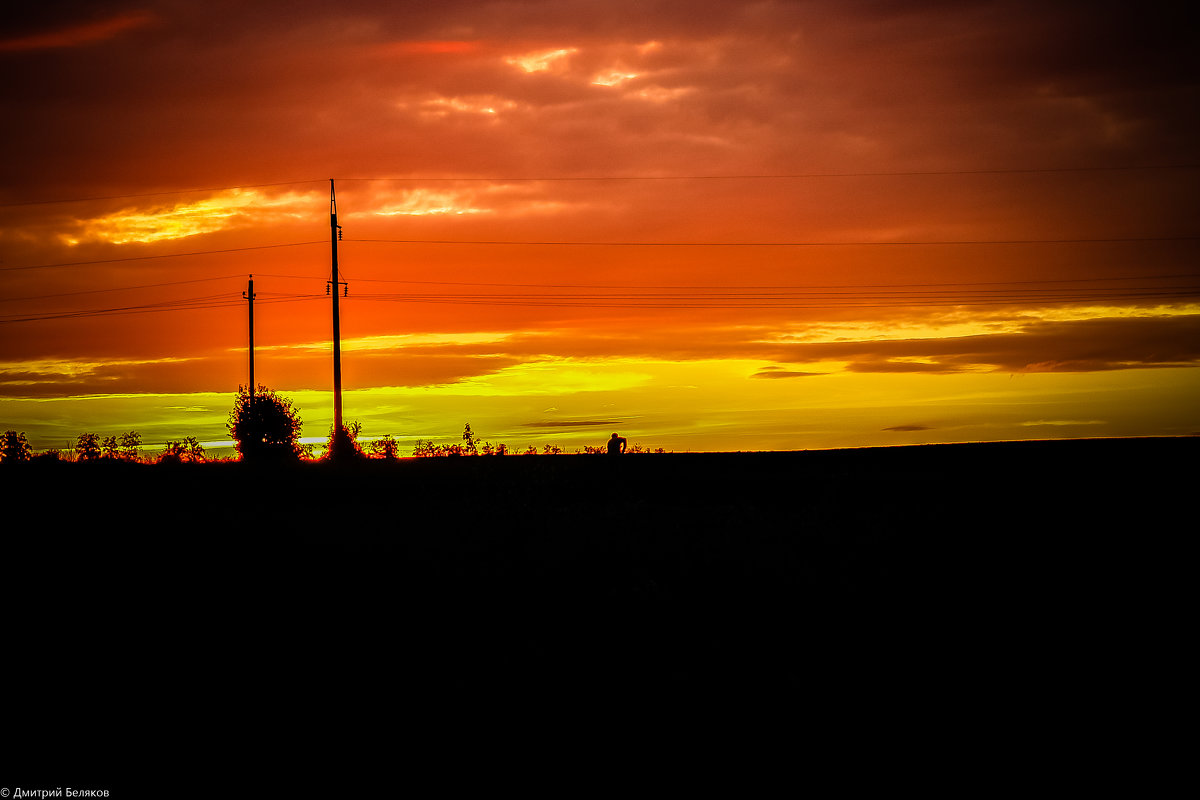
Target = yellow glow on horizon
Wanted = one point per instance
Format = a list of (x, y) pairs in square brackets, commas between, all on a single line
[(554, 375), (698, 406)]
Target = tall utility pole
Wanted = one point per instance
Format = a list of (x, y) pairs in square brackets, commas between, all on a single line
[(334, 235), (249, 295)]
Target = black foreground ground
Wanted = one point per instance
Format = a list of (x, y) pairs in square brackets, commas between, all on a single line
[(955, 576)]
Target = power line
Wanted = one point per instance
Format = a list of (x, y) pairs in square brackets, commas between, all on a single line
[(778, 176), (1079, 240), (600, 178), (784, 303), (187, 304), (116, 289), (764, 287), (931, 242), (827, 297), (164, 255), (153, 194)]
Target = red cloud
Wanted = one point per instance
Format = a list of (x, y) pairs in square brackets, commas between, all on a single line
[(431, 47)]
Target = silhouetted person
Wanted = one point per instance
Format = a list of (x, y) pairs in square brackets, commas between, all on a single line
[(616, 445)]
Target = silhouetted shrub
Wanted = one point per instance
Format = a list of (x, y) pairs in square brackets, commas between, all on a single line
[(87, 447), (14, 447), (386, 448), (109, 447), (470, 445), (189, 450), (343, 444), (130, 442), (265, 426)]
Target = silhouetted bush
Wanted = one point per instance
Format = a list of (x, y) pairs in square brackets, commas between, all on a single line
[(343, 444), (130, 442), (189, 450), (87, 447), (386, 448), (14, 447), (470, 445), (265, 426)]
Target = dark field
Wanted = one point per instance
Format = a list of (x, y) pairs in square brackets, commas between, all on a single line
[(989, 573)]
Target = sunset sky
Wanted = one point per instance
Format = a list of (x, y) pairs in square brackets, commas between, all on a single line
[(704, 225)]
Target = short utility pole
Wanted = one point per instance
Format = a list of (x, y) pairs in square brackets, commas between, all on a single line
[(249, 296), (335, 233)]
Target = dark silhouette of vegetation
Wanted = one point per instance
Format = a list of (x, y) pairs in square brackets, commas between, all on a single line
[(472, 445), (187, 451), (265, 427), (15, 447), (343, 444), (125, 447), (87, 447), (130, 442), (385, 448), (469, 445)]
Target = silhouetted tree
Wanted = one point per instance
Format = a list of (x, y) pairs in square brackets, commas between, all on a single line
[(469, 445), (129, 445), (14, 447), (265, 426), (188, 450), (343, 444), (385, 448), (87, 447), (109, 447)]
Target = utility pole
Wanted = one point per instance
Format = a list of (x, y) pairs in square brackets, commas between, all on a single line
[(249, 295), (335, 233)]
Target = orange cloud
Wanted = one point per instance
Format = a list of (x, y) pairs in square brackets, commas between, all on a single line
[(441, 47)]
